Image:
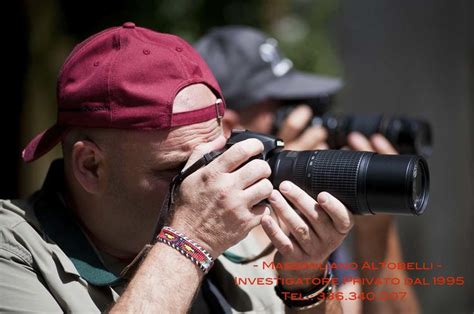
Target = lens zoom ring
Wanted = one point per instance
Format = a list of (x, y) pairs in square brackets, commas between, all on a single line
[(335, 171), (300, 168)]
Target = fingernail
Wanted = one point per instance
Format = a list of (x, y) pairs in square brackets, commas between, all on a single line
[(273, 196), (323, 199), (285, 186)]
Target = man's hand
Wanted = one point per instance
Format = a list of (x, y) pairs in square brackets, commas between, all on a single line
[(317, 228), (295, 134), (216, 205), (377, 143)]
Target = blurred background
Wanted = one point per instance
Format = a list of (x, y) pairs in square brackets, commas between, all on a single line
[(406, 57)]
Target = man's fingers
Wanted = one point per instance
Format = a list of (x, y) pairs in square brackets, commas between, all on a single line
[(205, 148), (307, 206), (322, 146), (295, 123), (253, 171), (279, 239), (302, 201), (257, 212), (382, 145), (342, 219), (359, 142), (299, 228), (237, 154), (310, 139), (258, 192)]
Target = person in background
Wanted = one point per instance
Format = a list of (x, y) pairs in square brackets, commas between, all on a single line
[(257, 80)]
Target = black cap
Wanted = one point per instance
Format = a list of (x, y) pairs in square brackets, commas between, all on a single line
[(250, 68)]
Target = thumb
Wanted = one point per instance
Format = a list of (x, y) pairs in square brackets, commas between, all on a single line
[(205, 148)]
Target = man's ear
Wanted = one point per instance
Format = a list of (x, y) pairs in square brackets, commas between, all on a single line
[(88, 165), (231, 121)]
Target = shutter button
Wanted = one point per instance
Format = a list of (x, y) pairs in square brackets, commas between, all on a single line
[(128, 25)]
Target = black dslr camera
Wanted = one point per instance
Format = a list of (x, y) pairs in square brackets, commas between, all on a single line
[(367, 183), (407, 135)]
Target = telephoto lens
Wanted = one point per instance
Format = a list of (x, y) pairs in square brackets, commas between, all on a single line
[(367, 183), (407, 135)]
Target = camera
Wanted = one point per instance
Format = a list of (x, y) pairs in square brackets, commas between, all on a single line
[(407, 135), (367, 183)]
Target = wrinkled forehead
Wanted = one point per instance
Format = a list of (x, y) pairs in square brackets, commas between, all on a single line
[(169, 149)]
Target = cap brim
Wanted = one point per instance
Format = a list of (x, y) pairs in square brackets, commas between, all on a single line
[(300, 85), (43, 143)]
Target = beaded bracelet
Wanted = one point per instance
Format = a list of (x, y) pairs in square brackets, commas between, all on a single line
[(187, 247)]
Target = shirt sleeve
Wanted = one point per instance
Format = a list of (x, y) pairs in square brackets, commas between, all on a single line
[(21, 288)]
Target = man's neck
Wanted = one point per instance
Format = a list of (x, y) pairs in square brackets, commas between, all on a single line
[(106, 234)]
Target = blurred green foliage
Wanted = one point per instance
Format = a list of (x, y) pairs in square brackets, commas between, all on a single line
[(301, 26)]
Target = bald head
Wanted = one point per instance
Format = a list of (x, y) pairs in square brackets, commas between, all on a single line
[(193, 97)]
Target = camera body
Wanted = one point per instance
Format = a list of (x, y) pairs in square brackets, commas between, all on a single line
[(271, 144)]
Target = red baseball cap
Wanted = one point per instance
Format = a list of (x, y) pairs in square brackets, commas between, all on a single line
[(126, 77)]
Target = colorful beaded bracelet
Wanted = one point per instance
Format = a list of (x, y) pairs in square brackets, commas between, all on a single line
[(187, 247)]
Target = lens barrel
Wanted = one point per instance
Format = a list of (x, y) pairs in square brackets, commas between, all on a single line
[(408, 136), (367, 183)]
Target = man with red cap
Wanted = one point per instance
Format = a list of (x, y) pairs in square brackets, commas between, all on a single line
[(106, 233)]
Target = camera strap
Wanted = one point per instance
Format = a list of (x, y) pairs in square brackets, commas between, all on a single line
[(176, 182), (237, 259)]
